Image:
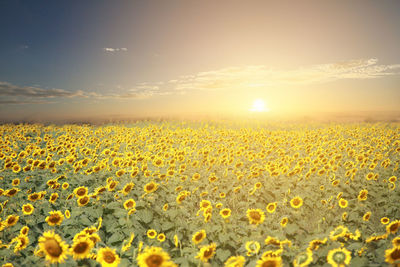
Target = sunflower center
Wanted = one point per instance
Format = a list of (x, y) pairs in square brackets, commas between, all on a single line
[(198, 237), (83, 200), (208, 252), (394, 227), (269, 263), (12, 192), (53, 248), (255, 215), (339, 257), (296, 202), (150, 187), (128, 188), (81, 192), (154, 261), (129, 204), (395, 254), (11, 220), (27, 208), (271, 208), (81, 247), (54, 219), (109, 257)]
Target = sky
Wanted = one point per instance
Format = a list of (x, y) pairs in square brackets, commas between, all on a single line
[(81, 60)]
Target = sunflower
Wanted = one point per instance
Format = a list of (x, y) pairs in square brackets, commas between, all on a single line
[(161, 237), (393, 227), (24, 230), (207, 252), (255, 216), (53, 247), (385, 220), (65, 186), (271, 207), (303, 259), (296, 202), (366, 216), (270, 261), (362, 196), (67, 214), (119, 173), (16, 182), (27, 209), (151, 233), (129, 204), (83, 201), (284, 221), (235, 261), (33, 196), (11, 220), (53, 197), (204, 204), (150, 187), (316, 243), (127, 188), (154, 257), (165, 207), (199, 236), (344, 216), (252, 247), (392, 255), (225, 213), (376, 238), (81, 191), (81, 248), (11, 192), (22, 242), (339, 257), (128, 244), (107, 257), (338, 232), (396, 241), (176, 241), (343, 203), (55, 218)]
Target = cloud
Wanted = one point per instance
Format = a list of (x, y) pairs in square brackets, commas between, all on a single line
[(244, 77), (247, 77), (20, 102), (110, 49), (8, 89), (14, 94)]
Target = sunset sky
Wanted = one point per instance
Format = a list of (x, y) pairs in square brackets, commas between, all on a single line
[(111, 59)]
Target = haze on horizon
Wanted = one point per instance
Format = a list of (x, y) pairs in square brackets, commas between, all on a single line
[(94, 60)]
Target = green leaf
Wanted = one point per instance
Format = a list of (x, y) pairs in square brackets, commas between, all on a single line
[(145, 215), (223, 254), (115, 238), (167, 226)]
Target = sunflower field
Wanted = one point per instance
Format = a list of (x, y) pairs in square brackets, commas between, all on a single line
[(175, 193)]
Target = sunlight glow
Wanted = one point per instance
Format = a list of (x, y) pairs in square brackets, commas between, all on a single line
[(259, 106)]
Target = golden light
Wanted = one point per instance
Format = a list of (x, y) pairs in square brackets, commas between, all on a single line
[(259, 106)]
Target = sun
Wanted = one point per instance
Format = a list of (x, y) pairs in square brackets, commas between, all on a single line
[(259, 106)]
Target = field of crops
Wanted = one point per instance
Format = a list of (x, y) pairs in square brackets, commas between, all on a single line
[(200, 194)]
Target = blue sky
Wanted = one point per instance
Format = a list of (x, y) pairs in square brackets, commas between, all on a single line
[(62, 59)]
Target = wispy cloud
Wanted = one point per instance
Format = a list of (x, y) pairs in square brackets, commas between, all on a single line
[(14, 94), (8, 89), (110, 49), (245, 77)]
